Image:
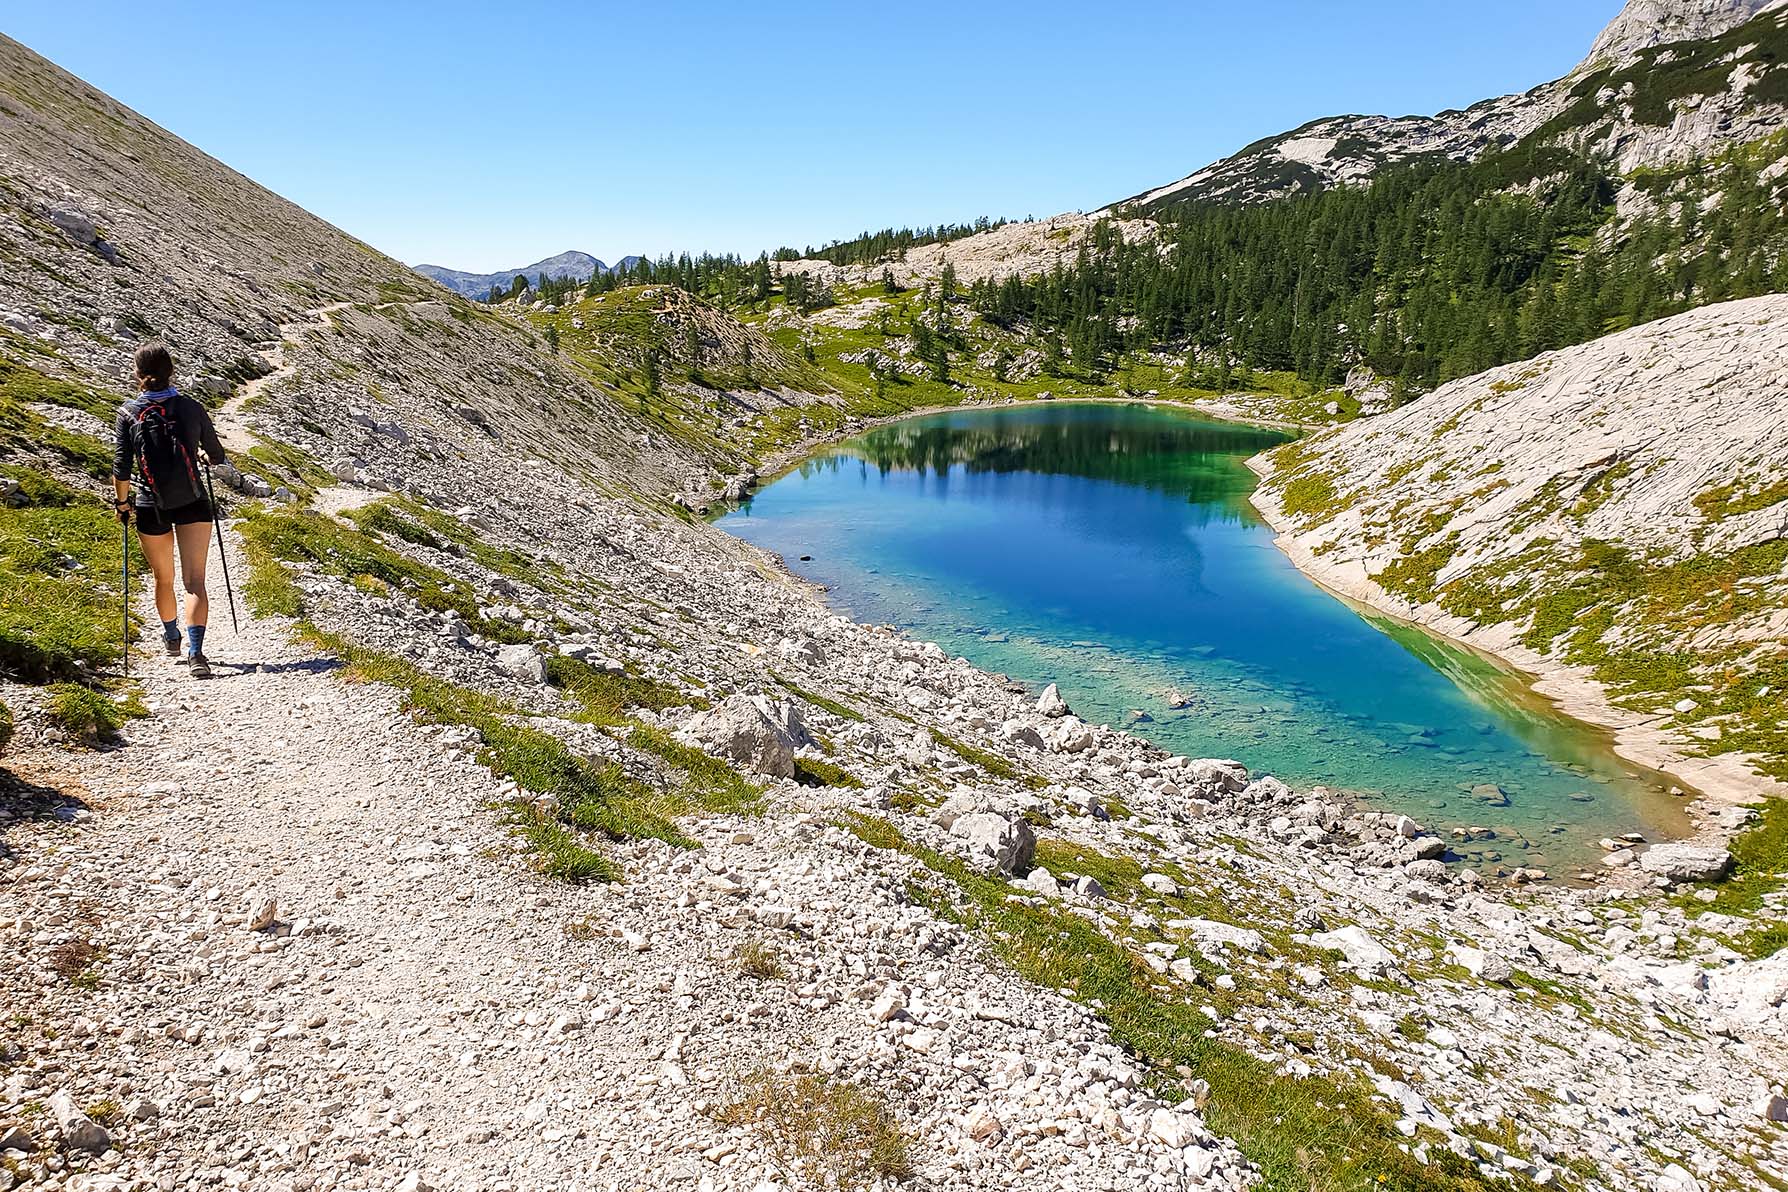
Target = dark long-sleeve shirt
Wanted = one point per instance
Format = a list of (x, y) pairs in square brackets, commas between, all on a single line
[(195, 425)]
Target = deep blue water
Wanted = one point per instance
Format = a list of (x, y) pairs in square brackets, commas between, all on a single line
[(1111, 549)]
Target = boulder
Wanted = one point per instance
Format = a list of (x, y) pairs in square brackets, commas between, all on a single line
[(76, 225), (738, 729), (1362, 951), (523, 662), (1020, 733), (79, 1132), (1211, 931), (1489, 794), (1071, 735), (1005, 840), (1211, 778), (1426, 870), (1685, 861), (1051, 703)]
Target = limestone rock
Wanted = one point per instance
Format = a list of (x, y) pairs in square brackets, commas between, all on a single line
[(1051, 703), (1685, 861), (1008, 842), (523, 662), (739, 730), (1362, 951), (79, 1132)]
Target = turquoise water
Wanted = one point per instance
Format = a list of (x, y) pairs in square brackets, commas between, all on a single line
[(1111, 549)]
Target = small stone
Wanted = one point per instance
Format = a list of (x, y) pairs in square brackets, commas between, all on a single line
[(79, 1132), (262, 913)]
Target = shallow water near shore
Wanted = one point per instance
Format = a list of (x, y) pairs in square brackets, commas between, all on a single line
[(1111, 549)]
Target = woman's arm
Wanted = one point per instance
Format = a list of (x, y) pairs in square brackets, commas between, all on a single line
[(208, 440), (123, 457)]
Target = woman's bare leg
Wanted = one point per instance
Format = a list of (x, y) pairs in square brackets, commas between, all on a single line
[(158, 552), (195, 548)]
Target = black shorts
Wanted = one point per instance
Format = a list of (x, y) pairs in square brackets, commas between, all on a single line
[(152, 521)]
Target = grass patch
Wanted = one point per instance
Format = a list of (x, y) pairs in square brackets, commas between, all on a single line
[(759, 960), (584, 794), (1740, 497), (709, 783), (845, 711), (61, 603), (6, 727), (89, 715), (1311, 496), (815, 772), (993, 763), (606, 694), (1316, 1134), (834, 1133)]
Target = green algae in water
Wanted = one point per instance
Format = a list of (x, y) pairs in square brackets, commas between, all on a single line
[(1111, 549)]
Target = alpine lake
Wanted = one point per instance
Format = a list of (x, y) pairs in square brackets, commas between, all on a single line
[(1111, 548)]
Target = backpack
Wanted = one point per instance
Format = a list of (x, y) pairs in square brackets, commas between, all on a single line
[(169, 472)]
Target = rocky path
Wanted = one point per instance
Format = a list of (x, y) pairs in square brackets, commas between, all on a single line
[(231, 426), (280, 940)]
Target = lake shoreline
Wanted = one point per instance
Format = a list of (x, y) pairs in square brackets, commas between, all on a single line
[(1712, 783), (781, 463)]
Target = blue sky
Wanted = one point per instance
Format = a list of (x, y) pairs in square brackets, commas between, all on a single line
[(485, 136)]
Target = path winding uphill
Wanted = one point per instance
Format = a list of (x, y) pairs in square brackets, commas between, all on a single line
[(312, 963)]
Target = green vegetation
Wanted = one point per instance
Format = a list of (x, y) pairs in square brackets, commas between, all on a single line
[(1316, 1134), (974, 755), (1759, 868), (1740, 497), (24, 432), (1311, 495), (760, 960), (814, 772), (819, 701), (6, 727), (274, 538), (833, 1133), (89, 715), (60, 576)]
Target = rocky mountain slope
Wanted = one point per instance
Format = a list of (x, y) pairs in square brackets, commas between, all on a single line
[(534, 829), (1666, 80), (1617, 508), (571, 263)]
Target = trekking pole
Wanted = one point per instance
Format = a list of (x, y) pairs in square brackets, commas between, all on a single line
[(222, 554), (124, 535)]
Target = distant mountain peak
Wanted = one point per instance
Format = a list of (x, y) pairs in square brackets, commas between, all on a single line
[(571, 263), (1635, 122), (1643, 24)]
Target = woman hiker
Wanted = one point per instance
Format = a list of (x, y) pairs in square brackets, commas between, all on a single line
[(163, 438)]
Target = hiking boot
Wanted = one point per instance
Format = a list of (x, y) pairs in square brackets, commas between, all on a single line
[(200, 666), (173, 645)]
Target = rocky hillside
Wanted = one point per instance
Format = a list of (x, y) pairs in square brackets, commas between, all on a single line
[(573, 264), (1666, 80), (1619, 509), (534, 828)]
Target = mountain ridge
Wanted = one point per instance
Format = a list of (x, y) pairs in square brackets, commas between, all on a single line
[(572, 263), (1349, 149)]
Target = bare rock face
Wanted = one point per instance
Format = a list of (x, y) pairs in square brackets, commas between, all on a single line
[(1349, 150), (739, 730), (1643, 24)]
